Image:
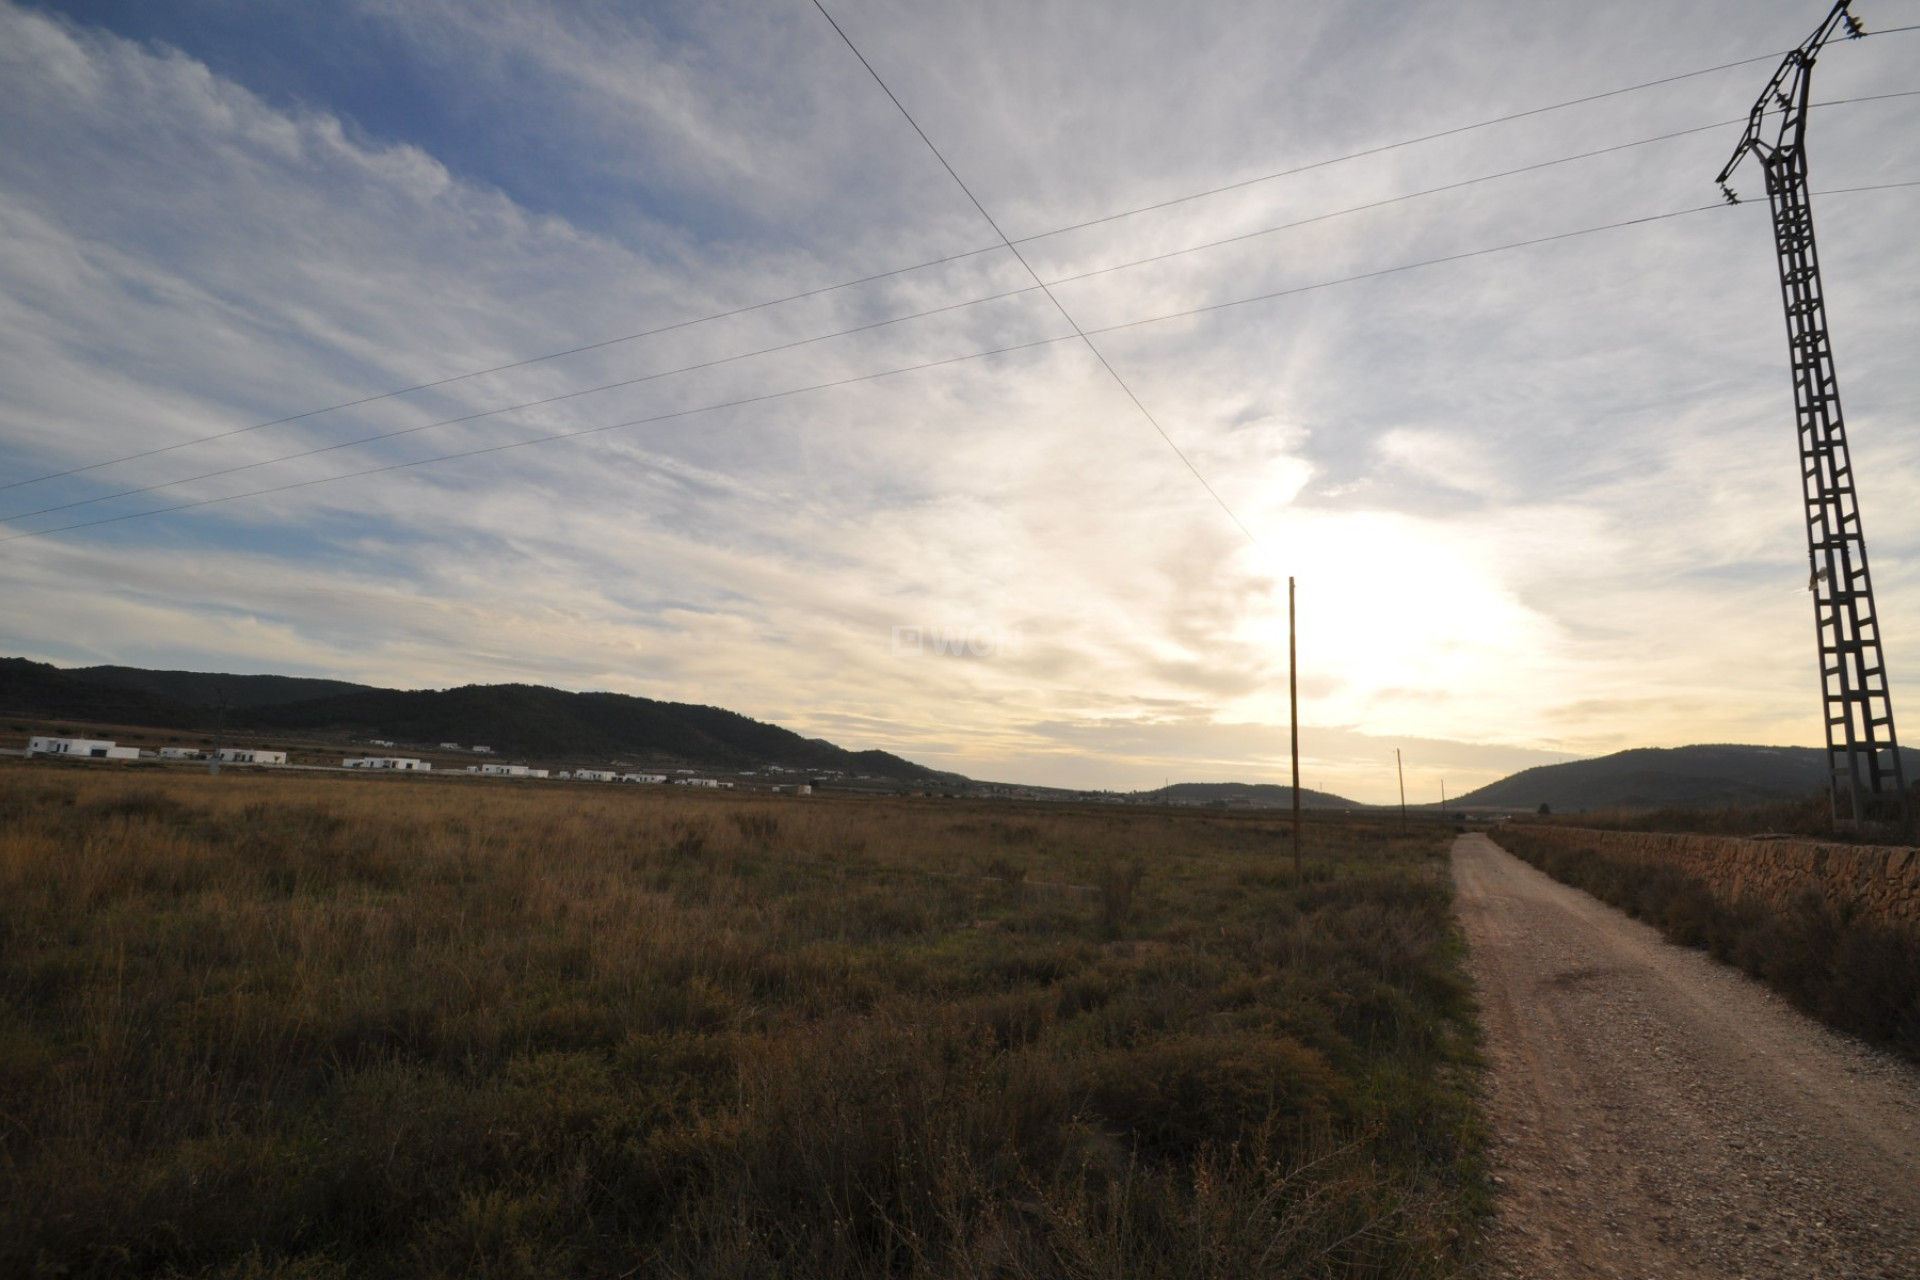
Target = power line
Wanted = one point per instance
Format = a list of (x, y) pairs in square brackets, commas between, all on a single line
[(546, 439), (1409, 142), (515, 408), (1453, 186), (913, 368), (1146, 413), (1457, 257), (901, 319), (1430, 137), (882, 275), (1393, 200), (1404, 267)]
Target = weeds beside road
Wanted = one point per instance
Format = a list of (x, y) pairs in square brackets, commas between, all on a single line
[(303, 1026), (1859, 976), (1659, 1114)]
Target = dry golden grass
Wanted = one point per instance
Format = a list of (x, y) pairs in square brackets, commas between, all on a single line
[(285, 1025)]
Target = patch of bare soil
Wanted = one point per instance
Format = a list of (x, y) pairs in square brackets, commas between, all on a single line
[(1658, 1114)]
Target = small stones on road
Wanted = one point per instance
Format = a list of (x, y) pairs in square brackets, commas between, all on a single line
[(1660, 1115)]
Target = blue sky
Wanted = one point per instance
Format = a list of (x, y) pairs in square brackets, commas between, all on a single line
[(395, 80), (1539, 502)]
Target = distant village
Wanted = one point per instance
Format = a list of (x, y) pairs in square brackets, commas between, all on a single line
[(103, 749), (767, 778)]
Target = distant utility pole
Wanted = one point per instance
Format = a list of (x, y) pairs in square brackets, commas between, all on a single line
[(1293, 707), (1402, 774), (1864, 772), (219, 735), (1443, 798)]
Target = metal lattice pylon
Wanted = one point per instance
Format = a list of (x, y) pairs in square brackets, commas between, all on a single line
[(1863, 755)]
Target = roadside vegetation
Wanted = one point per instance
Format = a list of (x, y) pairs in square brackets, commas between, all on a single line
[(257, 1026), (1810, 818), (1858, 976)]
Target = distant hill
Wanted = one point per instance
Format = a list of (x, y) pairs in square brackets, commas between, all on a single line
[(527, 719), (1670, 777), (207, 688), (1259, 795), (513, 719), (34, 689)]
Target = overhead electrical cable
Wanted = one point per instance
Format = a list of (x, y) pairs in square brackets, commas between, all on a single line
[(1051, 296), (478, 415), (1445, 187), (1099, 355), (913, 368), (1410, 142), (691, 322)]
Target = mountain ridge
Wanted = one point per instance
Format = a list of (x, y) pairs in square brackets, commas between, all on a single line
[(513, 719), (536, 720), (1260, 795), (1704, 776)]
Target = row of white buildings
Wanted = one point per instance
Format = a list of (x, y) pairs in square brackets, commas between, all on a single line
[(100, 749), (406, 764)]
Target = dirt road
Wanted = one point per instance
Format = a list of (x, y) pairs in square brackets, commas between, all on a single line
[(1658, 1114)]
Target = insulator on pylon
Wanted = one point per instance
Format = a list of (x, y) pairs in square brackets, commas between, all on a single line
[(1728, 194), (1854, 29)]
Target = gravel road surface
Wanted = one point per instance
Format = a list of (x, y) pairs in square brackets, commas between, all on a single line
[(1658, 1114)]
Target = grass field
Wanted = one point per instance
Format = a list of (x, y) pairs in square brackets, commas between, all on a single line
[(263, 1025)]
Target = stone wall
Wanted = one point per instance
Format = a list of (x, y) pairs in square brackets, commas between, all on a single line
[(1863, 882)]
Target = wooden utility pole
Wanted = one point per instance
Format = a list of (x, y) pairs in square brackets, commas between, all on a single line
[(1402, 773), (219, 735), (1293, 706)]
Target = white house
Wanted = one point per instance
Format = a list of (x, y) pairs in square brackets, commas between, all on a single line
[(483, 751), (81, 748), (251, 755), (180, 753), (643, 777), (450, 746), (695, 782), (594, 775), (503, 770), (402, 763)]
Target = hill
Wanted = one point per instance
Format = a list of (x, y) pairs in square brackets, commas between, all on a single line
[(533, 720), (208, 688), (1245, 794), (1670, 777), (513, 719), (49, 693)]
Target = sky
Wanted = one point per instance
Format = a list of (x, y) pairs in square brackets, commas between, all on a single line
[(1539, 502)]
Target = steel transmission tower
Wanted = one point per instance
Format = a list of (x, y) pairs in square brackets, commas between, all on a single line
[(1863, 756)]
